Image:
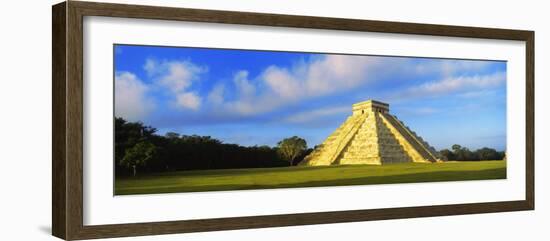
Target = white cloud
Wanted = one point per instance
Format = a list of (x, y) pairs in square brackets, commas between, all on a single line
[(244, 87), (176, 77), (449, 68), (188, 100), (325, 75), (150, 66), (308, 116), (216, 95), (425, 110), (131, 101), (477, 94), (277, 86), (322, 76), (179, 76), (422, 111), (340, 72), (455, 85), (282, 83)]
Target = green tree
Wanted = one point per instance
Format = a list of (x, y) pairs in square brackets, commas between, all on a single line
[(462, 153), (290, 148), (138, 156), (447, 154), (456, 148), (172, 135), (486, 153), (128, 134)]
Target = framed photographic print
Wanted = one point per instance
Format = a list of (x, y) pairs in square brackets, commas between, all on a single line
[(171, 120)]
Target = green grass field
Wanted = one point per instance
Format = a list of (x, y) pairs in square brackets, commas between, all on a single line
[(285, 177)]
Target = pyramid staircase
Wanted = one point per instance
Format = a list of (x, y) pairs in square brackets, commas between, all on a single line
[(325, 153)]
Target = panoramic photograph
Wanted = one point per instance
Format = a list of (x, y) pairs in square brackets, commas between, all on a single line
[(189, 119)]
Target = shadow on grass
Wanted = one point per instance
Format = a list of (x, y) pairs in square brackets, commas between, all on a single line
[(239, 171), (439, 176)]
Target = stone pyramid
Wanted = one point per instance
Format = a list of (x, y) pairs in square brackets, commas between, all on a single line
[(371, 136)]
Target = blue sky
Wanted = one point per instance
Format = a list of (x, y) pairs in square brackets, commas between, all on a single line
[(260, 97)]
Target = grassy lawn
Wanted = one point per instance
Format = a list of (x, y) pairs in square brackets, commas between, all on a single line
[(284, 177)]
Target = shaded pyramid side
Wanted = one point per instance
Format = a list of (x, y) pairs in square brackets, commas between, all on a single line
[(418, 149), (432, 151)]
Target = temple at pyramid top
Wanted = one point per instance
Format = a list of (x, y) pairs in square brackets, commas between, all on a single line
[(371, 135), (370, 106)]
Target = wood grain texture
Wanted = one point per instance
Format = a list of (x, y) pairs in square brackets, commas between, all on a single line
[(67, 79), (121, 230), (280, 20), (75, 108), (59, 192), (530, 120)]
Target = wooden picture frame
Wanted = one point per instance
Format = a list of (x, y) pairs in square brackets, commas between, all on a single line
[(67, 124)]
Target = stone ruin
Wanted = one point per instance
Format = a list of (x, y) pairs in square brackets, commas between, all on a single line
[(371, 135)]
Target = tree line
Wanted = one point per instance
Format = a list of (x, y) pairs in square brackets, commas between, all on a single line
[(139, 149), (460, 153)]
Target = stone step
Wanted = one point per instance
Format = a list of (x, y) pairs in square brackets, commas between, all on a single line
[(366, 136), (372, 160), (361, 143), (362, 147), (372, 154)]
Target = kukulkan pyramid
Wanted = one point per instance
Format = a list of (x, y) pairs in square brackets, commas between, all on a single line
[(371, 136)]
